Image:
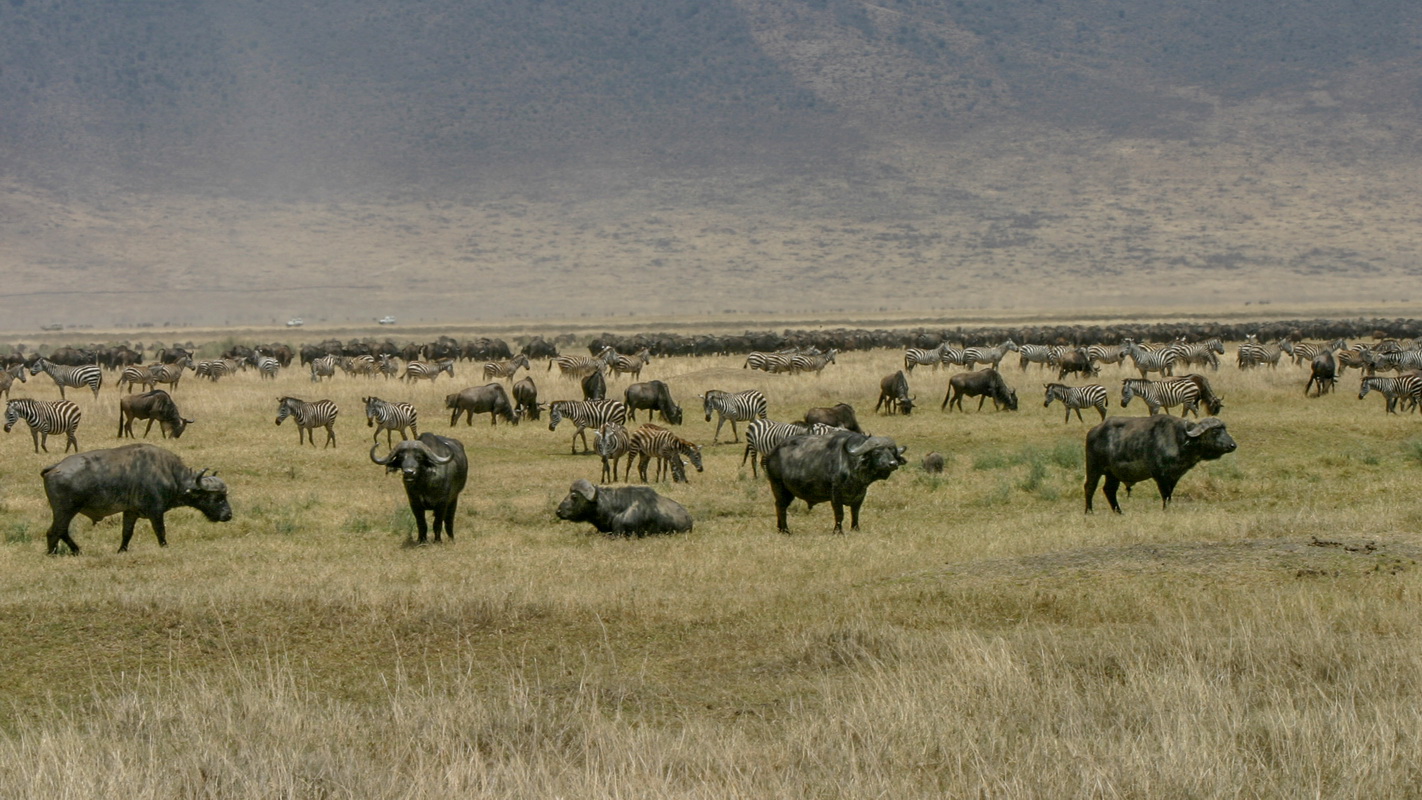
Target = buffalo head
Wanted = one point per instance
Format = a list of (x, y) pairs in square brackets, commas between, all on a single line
[(877, 457), (208, 494), (1211, 438), (581, 502), (410, 456)]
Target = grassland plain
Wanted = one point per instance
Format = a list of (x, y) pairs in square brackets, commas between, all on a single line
[(979, 636)]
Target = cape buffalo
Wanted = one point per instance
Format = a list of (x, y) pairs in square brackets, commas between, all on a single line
[(653, 396), (137, 480), (982, 384), (837, 467), (155, 406), (1163, 448), (434, 469), (628, 511), (488, 399)]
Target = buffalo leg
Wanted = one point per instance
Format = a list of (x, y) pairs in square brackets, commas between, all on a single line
[(129, 520), (59, 532), (1167, 488), (1112, 484), (783, 499), (854, 516), (422, 529), (838, 509), (1092, 478), (449, 510)]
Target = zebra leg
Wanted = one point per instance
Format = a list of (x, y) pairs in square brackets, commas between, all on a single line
[(330, 436), (70, 440), (735, 437), (606, 470)]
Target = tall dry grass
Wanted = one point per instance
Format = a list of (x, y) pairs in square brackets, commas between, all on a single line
[(979, 635)]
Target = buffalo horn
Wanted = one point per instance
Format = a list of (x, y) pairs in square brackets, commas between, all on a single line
[(384, 463), (869, 444)]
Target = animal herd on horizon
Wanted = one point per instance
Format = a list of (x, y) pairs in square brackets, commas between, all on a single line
[(824, 457)]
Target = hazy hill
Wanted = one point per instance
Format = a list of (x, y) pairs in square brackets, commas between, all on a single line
[(460, 157)]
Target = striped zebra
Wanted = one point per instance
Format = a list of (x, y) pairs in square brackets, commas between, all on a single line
[(387, 366), (932, 357), (1251, 353), (1199, 353), (1305, 352), (631, 365), (215, 368), (612, 442), (774, 363), (323, 367), (1075, 398), (1148, 361), (738, 407), (1107, 354), (45, 417), (1394, 389), (1358, 357), (8, 376), (135, 376), (167, 373), (586, 414), (811, 363), (267, 367), (1043, 354), (506, 369), (992, 356), (653, 441), (383, 415), (361, 365), (424, 370), (1162, 394), (1398, 361), (578, 367), (84, 375), (764, 435), (309, 417)]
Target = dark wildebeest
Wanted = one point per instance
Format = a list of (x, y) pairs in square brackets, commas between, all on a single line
[(525, 396), (652, 395), (155, 406), (434, 470), (1131, 449), (488, 399), (594, 386), (1213, 403), (1075, 361), (933, 463), (837, 467), (894, 394), (1324, 372), (840, 415), (628, 511), (137, 480), (982, 384)]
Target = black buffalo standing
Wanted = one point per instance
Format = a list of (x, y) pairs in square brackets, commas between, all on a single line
[(628, 511), (155, 406), (836, 467), (137, 480), (488, 399), (653, 396), (1163, 448), (434, 470), (982, 384)]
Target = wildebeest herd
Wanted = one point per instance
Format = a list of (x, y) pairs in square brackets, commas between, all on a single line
[(824, 457)]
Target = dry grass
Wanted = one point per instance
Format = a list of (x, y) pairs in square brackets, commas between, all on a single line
[(979, 635)]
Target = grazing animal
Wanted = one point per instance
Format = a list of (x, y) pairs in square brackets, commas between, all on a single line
[(525, 395), (764, 435), (992, 356), (915, 357), (585, 414), (1075, 398), (323, 367), (624, 510), (1393, 389), (155, 406), (981, 384), (933, 463), (45, 417), (579, 367), (837, 467), (1148, 361), (84, 375), (1212, 402), (1251, 353), (170, 374), (434, 470), (506, 369), (136, 480), (738, 407), (8, 376), (1323, 371), (770, 362), (215, 368), (1042, 354), (1106, 354), (267, 366), (811, 363), (135, 376), (894, 395), (383, 415), (1162, 394), (653, 396), (1163, 448), (424, 370), (488, 399), (612, 442), (594, 386), (653, 441), (1075, 362), (840, 415), (631, 365), (309, 417)]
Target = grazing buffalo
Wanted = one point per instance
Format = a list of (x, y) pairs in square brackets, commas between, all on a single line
[(840, 415), (594, 386), (837, 467), (488, 399), (1324, 372), (434, 470), (155, 406), (628, 511), (525, 395), (137, 480), (653, 396), (982, 384), (1163, 448), (894, 394)]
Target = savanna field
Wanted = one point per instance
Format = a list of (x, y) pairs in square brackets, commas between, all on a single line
[(979, 636)]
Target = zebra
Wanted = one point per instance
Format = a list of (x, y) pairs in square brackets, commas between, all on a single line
[(1358, 357), (386, 416), (267, 366), (359, 365), (1408, 386), (1398, 361), (653, 441), (45, 417), (1252, 353), (309, 417), (1304, 352), (1203, 353), (85, 375), (1043, 354), (1075, 398), (764, 435), (631, 365), (578, 367), (586, 414), (424, 370), (387, 366), (1147, 361), (506, 369), (215, 368), (8, 376), (323, 367), (815, 363), (774, 363), (1162, 394), (1106, 353), (135, 375), (991, 356), (933, 357), (738, 407), (167, 373), (612, 442)]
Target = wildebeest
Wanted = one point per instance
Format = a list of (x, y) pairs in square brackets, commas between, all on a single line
[(594, 386), (894, 394), (981, 384), (933, 463), (840, 415), (653, 396), (1131, 449), (434, 470), (628, 511), (1324, 372), (525, 396), (1075, 361), (837, 467), (137, 480), (488, 399), (155, 406)]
